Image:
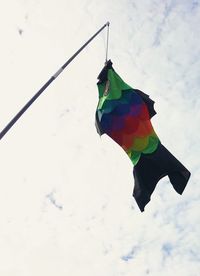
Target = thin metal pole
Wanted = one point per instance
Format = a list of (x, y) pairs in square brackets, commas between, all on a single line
[(29, 103)]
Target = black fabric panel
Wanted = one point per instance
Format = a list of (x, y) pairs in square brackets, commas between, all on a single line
[(151, 168), (102, 77)]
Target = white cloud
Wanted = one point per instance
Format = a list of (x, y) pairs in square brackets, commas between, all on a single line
[(54, 148)]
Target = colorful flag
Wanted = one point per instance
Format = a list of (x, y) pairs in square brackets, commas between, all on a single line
[(124, 114)]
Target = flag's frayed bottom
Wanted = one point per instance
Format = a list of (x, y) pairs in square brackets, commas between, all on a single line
[(151, 168)]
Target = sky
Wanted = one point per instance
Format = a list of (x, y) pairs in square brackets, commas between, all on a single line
[(66, 202)]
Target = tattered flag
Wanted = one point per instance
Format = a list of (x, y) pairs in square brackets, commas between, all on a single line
[(124, 114)]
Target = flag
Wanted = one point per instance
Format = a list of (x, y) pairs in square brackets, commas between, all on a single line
[(124, 114)]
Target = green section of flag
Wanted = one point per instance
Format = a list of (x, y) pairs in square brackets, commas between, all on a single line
[(116, 87)]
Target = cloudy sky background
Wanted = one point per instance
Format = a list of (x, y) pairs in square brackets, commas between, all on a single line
[(66, 203)]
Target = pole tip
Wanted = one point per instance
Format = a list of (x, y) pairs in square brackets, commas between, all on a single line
[(108, 23)]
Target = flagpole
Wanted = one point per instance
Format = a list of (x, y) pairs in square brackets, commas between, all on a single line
[(31, 101)]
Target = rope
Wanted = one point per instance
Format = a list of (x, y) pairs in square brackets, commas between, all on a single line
[(108, 25)]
